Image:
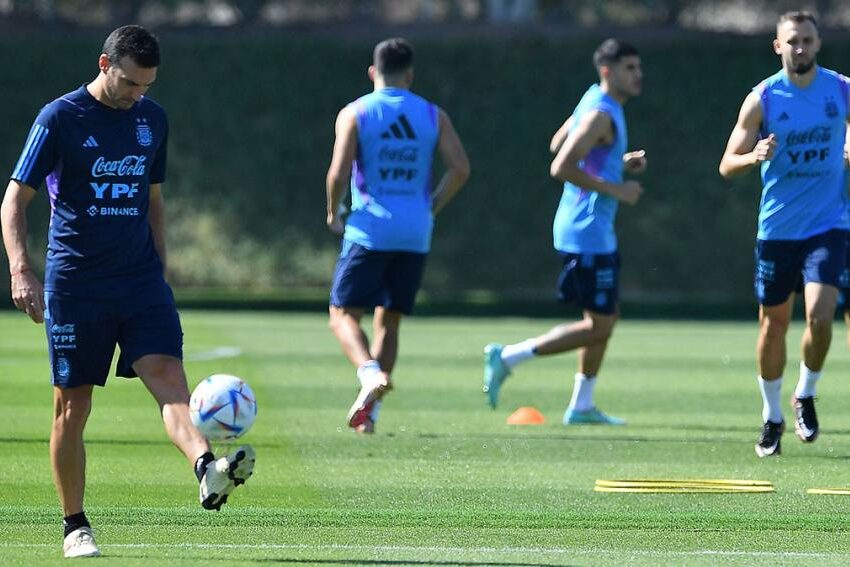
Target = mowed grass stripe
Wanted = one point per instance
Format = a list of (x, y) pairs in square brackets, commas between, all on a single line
[(444, 471)]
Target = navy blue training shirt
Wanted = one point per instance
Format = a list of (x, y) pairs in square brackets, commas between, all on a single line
[(98, 163)]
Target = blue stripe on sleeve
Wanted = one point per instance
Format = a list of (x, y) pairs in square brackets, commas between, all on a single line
[(35, 142)]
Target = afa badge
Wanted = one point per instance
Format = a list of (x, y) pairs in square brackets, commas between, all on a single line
[(63, 367), (143, 133), (831, 109)]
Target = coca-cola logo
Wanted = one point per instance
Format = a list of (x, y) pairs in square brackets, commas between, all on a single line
[(816, 135), (404, 154), (127, 166)]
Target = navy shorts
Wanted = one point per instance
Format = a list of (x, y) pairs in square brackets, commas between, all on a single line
[(82, 335), (368, 278), (591, 281), (785, 266)]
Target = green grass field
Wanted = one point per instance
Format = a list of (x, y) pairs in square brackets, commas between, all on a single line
[(444, 481)]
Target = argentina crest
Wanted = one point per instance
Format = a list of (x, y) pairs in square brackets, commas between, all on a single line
[(831, 108), (143, 132)]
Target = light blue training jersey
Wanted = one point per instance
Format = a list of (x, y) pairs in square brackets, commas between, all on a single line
[(804, 186), (584, 223), (391, 181)]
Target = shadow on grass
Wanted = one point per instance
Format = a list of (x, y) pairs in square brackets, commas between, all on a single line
[(358, 561)]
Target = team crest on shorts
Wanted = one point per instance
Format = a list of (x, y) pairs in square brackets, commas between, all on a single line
[(831, 109), (63, 367), (143, 132)]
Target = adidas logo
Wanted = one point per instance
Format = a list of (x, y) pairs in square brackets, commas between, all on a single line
[(90, 143), (784, 116), (400, 129)]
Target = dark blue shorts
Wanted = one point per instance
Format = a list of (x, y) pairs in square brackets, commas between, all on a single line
[(368, 278), (591, 281), (785, 266), (82, 335)]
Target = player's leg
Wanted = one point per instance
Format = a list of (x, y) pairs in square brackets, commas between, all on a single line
[(582, 408), (402, 280), (823, 272), (151, 341), (385, 326), (344, 322), (777, 276), (81, 342), (165, 379), (71, 409)]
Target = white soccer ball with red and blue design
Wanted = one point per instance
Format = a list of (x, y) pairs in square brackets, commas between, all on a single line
[(223, 407)]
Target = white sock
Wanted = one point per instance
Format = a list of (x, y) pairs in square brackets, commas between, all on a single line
[(368, 372), (771, 391), (582, 399), (806, 385), (516, 353)]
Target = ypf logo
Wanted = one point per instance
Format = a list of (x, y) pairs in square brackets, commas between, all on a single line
[(114, 190)]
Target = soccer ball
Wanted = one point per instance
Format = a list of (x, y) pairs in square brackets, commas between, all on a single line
[(223, 407)]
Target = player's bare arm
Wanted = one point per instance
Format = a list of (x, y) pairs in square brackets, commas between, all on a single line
[(27, 291), (454, 159), (744, 150), (339, 172), (156, 218), (560, 136), (594, 129)]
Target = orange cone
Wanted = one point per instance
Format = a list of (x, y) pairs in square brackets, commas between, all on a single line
[(526, 415)]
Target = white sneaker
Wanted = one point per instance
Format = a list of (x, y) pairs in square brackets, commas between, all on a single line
[(225, 474), (370, 393), (80, 543)]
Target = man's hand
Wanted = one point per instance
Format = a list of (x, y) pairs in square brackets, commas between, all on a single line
[(629, 192), (28, 295), (334, 220), (635, 162), (765, 149)]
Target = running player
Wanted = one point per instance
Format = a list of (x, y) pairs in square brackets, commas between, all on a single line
[(590, 159), (792, 126), (385, 143)]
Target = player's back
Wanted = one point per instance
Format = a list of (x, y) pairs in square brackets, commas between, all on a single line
[(584, 222), (391, 181), (804, 190)]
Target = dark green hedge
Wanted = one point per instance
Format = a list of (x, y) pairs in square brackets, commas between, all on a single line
[(251, 131)]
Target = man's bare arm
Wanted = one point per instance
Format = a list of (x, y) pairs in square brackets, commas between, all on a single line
[(594, 129), (454, 158), (561, 135), (339, 172), (744, 149), (27, 291)]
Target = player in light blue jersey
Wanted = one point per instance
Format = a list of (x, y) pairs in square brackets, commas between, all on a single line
[(385, 144), (101, 151), (793, 127), (591, 156)]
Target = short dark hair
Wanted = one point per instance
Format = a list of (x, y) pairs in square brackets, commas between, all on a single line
[(135, 42), (393, 56), (798, 17), (611, 51)]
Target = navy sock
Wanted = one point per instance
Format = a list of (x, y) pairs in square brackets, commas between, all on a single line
[(75, 522), (201, 464)]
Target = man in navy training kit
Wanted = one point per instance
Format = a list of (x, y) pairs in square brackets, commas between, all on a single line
[(793, 126), (102, 151), (590, 158), (385, 143)]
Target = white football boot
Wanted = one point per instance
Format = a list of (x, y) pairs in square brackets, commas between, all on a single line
[(225, 474), (80, 543)]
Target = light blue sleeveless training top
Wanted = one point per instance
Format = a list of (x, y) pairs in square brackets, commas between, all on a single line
[(391, 181), (584, 223)]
